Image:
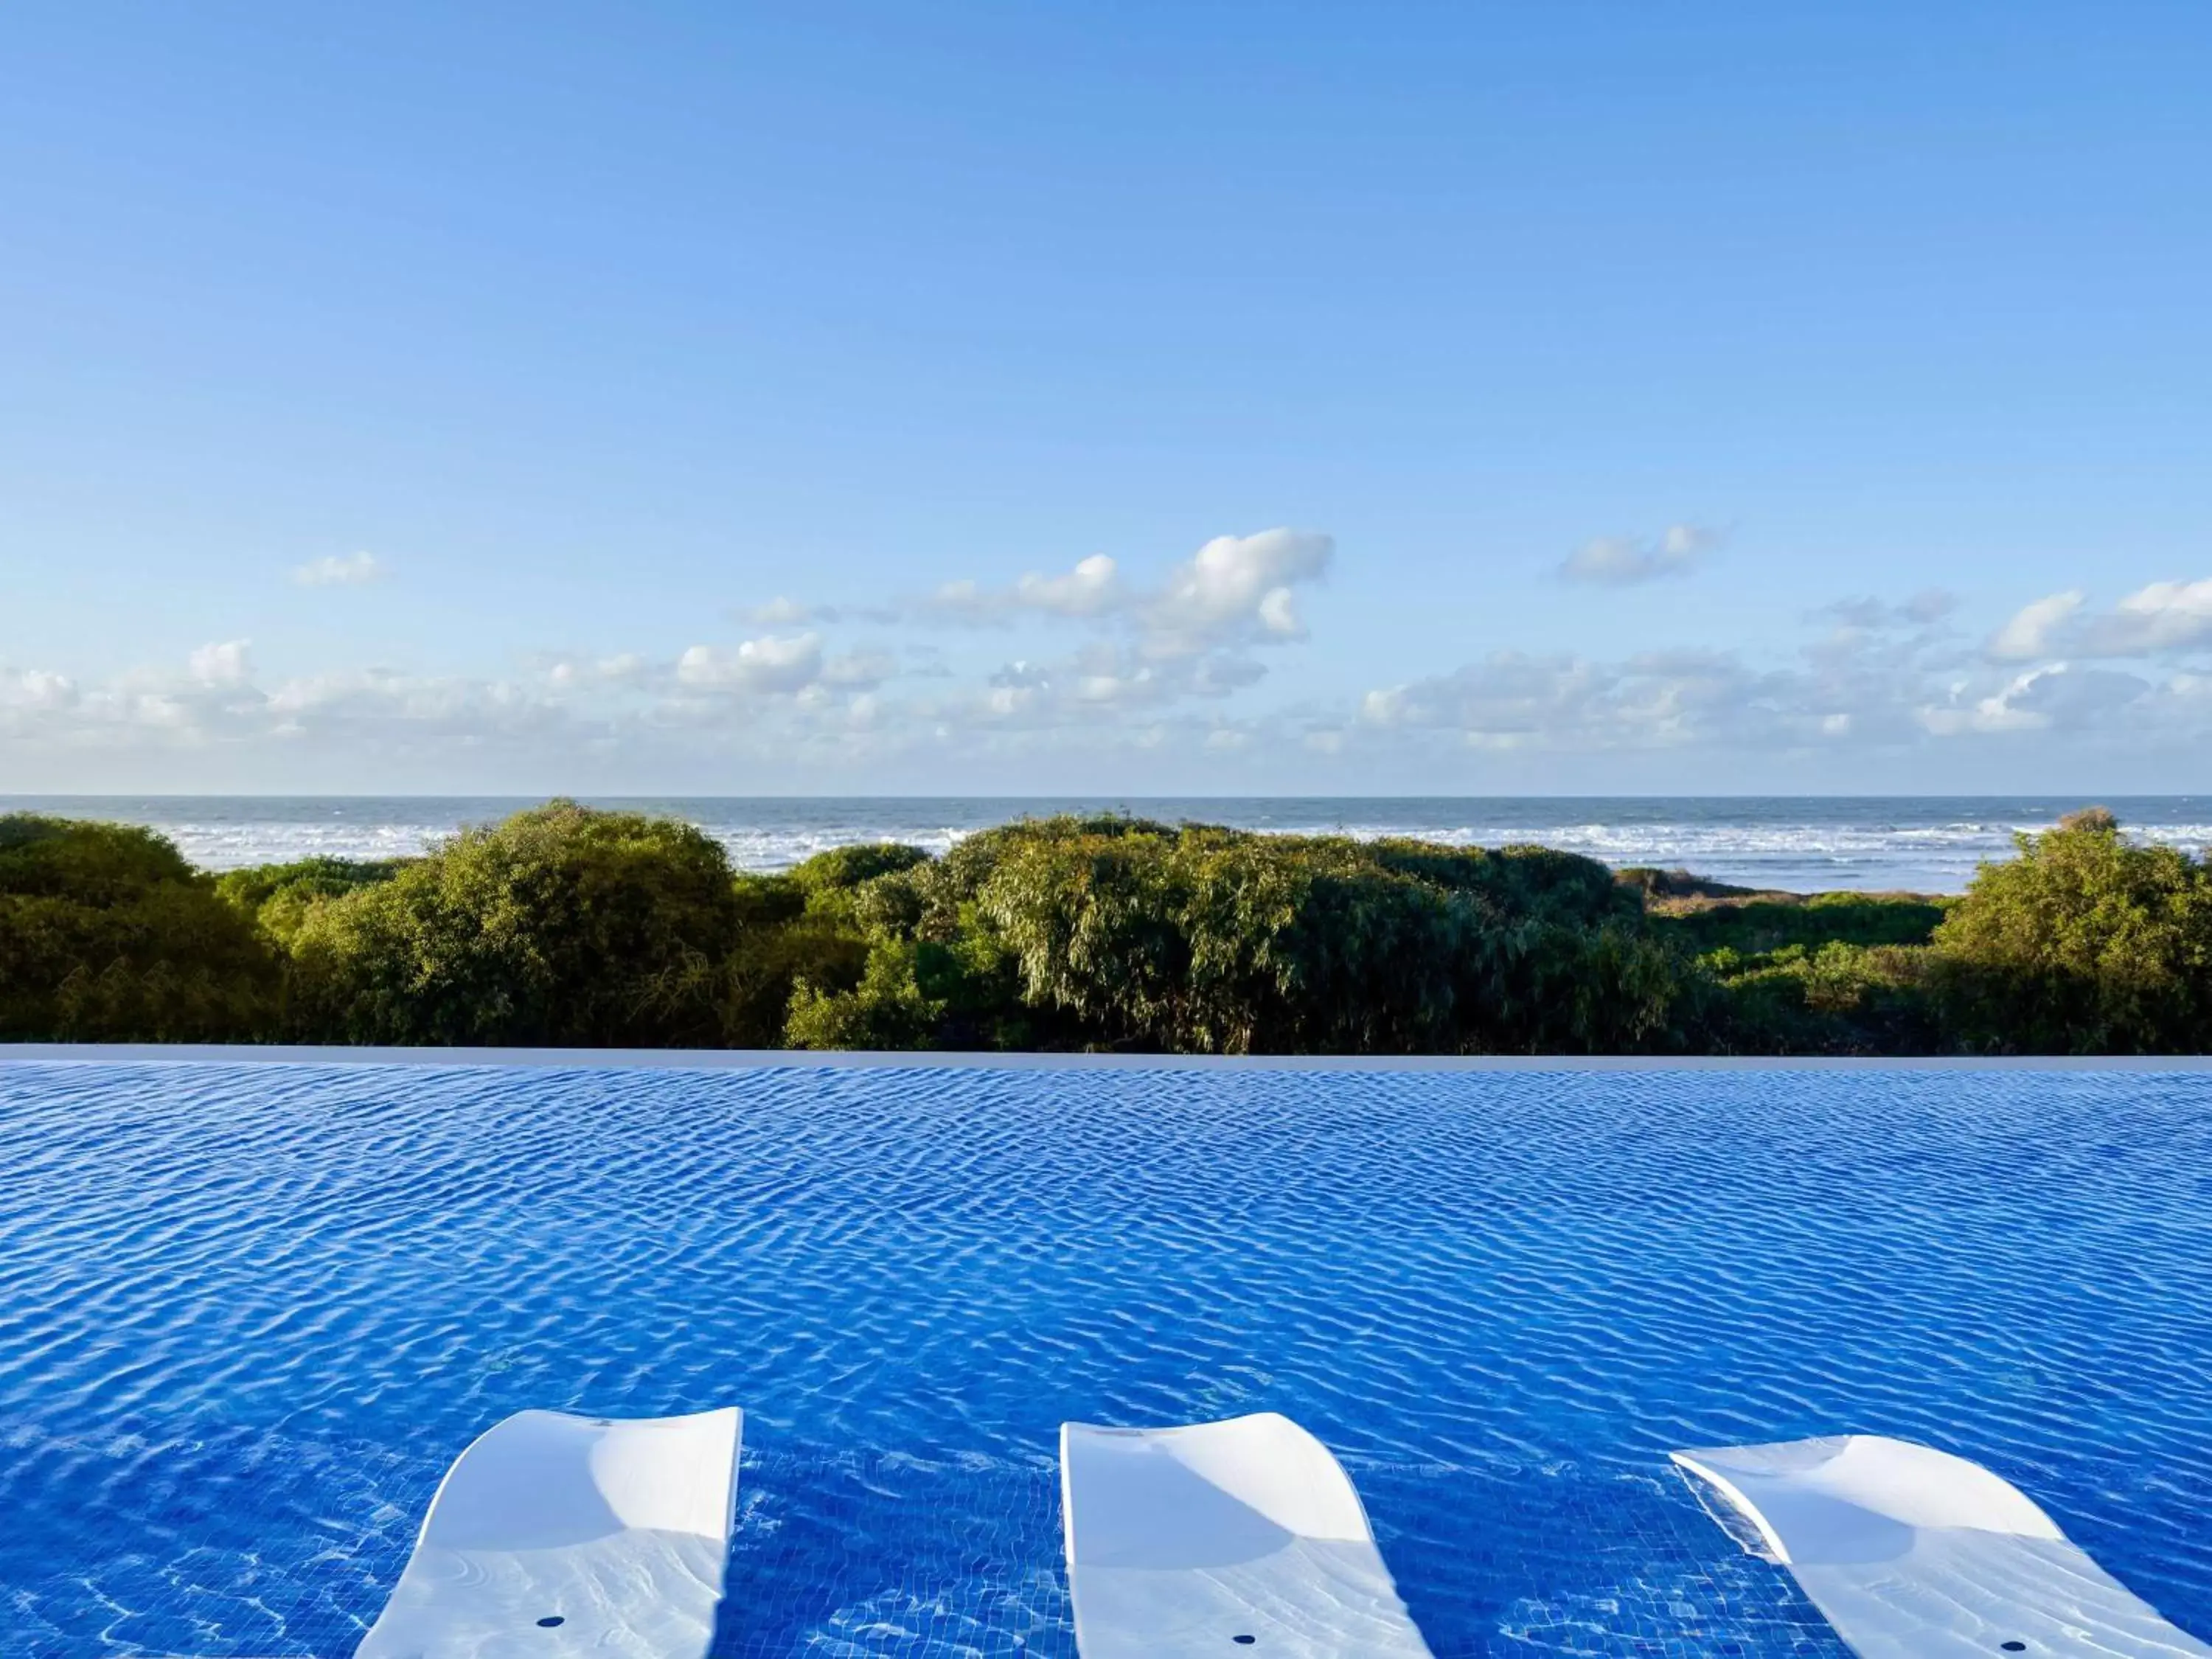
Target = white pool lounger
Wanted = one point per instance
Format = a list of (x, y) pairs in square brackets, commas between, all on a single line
[(555, 1536), (1223, 1538), (1913, 1553)]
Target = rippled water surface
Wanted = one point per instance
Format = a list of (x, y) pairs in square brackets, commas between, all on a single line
[(249, 1314)]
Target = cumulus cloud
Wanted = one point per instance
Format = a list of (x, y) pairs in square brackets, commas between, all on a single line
[(861, 671), (2157, 620), (221, 665), (2163, 617), (786, 613), (2034, 627), (35, 689), (1165, 664), (1092, 589), (335, 570), (1238, 589), (2060, 696), (1515, 700), (1625, 561), (773, 662), (625, 669), (1234, 591)]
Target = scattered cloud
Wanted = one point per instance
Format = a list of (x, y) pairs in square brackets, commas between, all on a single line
[(2033, 627), (770, 664), (33, 688), (1092, 589), (569, 673), (2157, 620), (1170, 664), (335, 570), (1623, 561), (1236, 590), (781, 613), (2161, 618), (862, 671), (1512, 699), (1923, 610), (221, 665), (2060, 696)]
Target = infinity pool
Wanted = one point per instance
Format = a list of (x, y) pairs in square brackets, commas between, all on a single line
[(249, 1314)]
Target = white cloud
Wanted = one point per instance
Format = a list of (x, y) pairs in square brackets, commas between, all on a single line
[(2031, 632), (2163, 617), (2001, 711), (2060, 695), (625, 669), (333, 570), (1858, 687), (773, 662), (1091, 589), (1235, 589), (221, 665), (35, 689), (779, 612), (1923, 610), (861, 671), (2156, 619), (1156, 664), (1623, 561)]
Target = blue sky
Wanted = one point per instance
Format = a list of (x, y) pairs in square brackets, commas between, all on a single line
[(1153, 397)]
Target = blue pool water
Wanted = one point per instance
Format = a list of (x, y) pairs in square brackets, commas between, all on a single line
[(248, 1314)]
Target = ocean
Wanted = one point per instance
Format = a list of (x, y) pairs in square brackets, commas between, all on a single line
[(1928, 844)]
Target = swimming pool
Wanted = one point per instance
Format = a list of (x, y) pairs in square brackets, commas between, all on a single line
[(249, 1312)]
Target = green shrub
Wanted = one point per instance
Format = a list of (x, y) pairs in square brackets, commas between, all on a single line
[(1771, 921), (106, 934), (568, 926), (562, 926), (843, 867), (1121, 932), (1835, 998), (2086, 943), (279, 896), (885, 1008)]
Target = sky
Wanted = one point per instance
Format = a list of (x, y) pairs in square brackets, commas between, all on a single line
[(1166, 398)]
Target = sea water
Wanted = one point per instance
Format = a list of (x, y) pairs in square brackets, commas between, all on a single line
[(1916, 843)]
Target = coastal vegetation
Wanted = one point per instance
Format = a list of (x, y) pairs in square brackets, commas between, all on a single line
[(569, 926)]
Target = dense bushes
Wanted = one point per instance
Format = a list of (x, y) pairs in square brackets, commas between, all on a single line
[(107, 935), (570, 926), (2084, 944), (1131, 934), (562, 926)]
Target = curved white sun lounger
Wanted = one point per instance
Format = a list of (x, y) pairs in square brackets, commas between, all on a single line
[(553, 1536), (1201, 1542), (1913, 1553)]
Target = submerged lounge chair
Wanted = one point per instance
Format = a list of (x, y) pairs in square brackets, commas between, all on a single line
[(1913, 1553), (1223, 1538), (553, 1536)]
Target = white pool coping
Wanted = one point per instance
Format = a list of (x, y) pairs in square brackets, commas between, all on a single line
[(721, 1059)]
